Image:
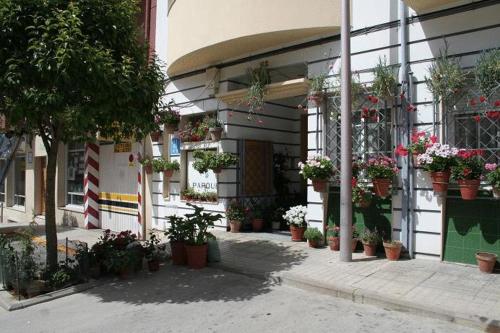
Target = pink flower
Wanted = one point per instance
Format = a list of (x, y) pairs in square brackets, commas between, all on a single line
[(490, 166), (433, 138), (411, 108)]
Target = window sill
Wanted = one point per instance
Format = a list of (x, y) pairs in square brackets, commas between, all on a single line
[(18, 208), (73, 208), (199, 145)]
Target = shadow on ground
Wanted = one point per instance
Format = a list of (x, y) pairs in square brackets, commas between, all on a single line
[(180, 285)]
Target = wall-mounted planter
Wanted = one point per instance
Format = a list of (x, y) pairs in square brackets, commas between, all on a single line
[(469, 188), (440, 181), (215, 133), (320, 185), (381, 187)]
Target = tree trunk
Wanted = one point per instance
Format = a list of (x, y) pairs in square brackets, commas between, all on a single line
[(50, 208)]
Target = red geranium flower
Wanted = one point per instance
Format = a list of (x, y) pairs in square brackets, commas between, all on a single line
[(401, 151), (497, 103), (477, 118), (482, 99), (472, 102)]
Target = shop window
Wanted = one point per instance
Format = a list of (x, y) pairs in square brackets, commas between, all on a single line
[(19, 180), (75, 167)]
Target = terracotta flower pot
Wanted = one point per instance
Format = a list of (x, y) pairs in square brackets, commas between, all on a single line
[(334, 243), (392, 250), (179, 256), (313, 243), (171, 129), (381, 187), (148, 169), (217, 170), (215, 133), (370, 249), (297, 233), (257, 225), (235, 226), (156, 136), (316, 97), (496, 192), (414, 159), (168, 173), (469, 188), (320, 185), (354, 243), (486, 261), (154, 265), (197, 256), (440, 181)]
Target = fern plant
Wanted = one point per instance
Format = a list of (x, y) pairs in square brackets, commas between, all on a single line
[(384, 83), (487, 72)]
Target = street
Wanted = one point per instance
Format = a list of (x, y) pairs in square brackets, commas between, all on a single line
[(181, 300)]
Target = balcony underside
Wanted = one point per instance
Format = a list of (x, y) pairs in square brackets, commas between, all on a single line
[(426, 5)]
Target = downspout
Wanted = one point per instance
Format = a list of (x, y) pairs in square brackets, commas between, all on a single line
[(143, 193), (405, 130)]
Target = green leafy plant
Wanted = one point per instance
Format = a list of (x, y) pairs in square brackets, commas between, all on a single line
[(160, 164), (198, 223), (235, 211), (259, 78), (168, 117), (371, 237), (146, 160), (381, 167), (313, 234), (384, 83), (317, 167), (151, 249), (487, 71), (360, 193), (194, 130), (446, 77), (61, 278), (318, 83), (493, 175), (213, 122), (332, 230), (119, 260), (469, 165), (178, 229), (212, 160), (190, 194)]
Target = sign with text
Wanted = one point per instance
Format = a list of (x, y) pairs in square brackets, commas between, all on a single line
[(200, 182)]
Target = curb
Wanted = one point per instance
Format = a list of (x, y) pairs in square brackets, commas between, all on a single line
[(10, 304), (360, 296)]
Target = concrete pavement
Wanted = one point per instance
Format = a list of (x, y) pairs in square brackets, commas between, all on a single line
[(180, 300), (434, 289)]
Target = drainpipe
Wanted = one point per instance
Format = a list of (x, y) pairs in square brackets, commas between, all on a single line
[(405, 130), (346, 137)]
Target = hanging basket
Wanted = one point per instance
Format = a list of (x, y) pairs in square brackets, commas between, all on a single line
[(215, 133), (156, 136), (148, 169), (440, 181), (168, 173), (217, 170), (170, 128), (469, 188), (381, 186), (316, 97)]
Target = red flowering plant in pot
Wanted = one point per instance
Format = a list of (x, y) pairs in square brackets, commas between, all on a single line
[(235, 214), (295, 217), (438, 160), (198, 224), (319, 169), (420, 141), (467, 172), (493, 177), (381, 170), (177, 233)]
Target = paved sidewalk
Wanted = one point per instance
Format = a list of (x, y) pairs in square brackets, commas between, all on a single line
[(441, 290)]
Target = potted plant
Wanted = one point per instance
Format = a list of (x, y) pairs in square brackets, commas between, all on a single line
[(317, 86), (420, 141), (197, 224), (314, 237), (333, 235), (259, 78), (212, 160), (177, 235), (487, 71), (370, 240), (467, 172), (257, 213), (171, 120), (361, 196), (155, 136), (438, 160), (392, 249), (277, 217), (381, 170), (147, 163), (165, 166), (319, 169), (385, 83), (486, 261), (493, 177), (120, 262), (446, 77), (235, 214), (152, 252), (214, 128), (355, 238), (295, 217)]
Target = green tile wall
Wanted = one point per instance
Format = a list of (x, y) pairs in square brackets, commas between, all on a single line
[(378, 215), (471, 226)]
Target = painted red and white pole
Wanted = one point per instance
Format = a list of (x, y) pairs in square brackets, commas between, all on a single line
[(91, 186)]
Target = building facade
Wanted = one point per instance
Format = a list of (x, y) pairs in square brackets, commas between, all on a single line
[(210, 46)]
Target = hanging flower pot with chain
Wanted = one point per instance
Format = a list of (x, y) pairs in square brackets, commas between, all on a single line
[(319, 169)]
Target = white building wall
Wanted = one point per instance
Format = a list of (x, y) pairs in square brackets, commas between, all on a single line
[(468, 30)]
